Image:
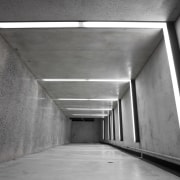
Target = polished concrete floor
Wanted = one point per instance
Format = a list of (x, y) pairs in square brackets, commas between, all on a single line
[(82, 162)]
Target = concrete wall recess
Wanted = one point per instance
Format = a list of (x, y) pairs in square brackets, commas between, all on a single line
[(158, 121)]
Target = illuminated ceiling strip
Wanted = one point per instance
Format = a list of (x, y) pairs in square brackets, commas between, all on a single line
[(84, 80), (75, 99), (39, 25), (132, 112), (63, 80), (77, 24), (88, 109), (119, 133), (140, 25), (90, 114)]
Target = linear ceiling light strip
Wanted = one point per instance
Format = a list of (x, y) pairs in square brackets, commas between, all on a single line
[(24, 25), (90, 114), (84, 80), (76, 99), (77, 24), (88, 109)]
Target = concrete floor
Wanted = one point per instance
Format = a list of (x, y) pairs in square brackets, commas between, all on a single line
[(81, 162)]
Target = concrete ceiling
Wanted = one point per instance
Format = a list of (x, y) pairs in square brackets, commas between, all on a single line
[(84, 53), (92, 10)]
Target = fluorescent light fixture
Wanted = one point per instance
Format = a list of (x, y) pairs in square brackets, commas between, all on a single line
[(108, 80), (101, 115), (63, 80), (10, 25), (75, 99), (89, 109), (140, 25), (77, 24), (132, 112), (84, 80), (70, 99), (119, 133)]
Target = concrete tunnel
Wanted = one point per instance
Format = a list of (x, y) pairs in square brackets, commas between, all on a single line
[(89, 90)]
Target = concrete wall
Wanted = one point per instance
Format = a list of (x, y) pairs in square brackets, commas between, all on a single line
[(29, 120), (159, 128), (128, 121), (127, 124), (86, 131)]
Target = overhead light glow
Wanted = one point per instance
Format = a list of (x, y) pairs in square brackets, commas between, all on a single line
[(77, 24), (63, 80), (88, 109), (119, 133), (84, 80), (132, 112), (75, 99), (122, 25), (10, 25), (101, 115), (70, 99), (108, 80)]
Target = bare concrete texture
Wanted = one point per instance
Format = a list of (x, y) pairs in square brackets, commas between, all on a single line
[(85, 104), (159, 128), (106, 128), (119, 10), (90, 90), (84, 53), (128, 137), (117, 125), (128, 121), (86, 131), (29, 120), (82, 162)]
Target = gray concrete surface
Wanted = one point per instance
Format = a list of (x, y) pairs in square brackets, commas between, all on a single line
[(117, 125), (84, 53), (128, 121), (82, 162), (158, 121), (159, 128), (29, 120), (119, 10), (106, 129), (86, 131)]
